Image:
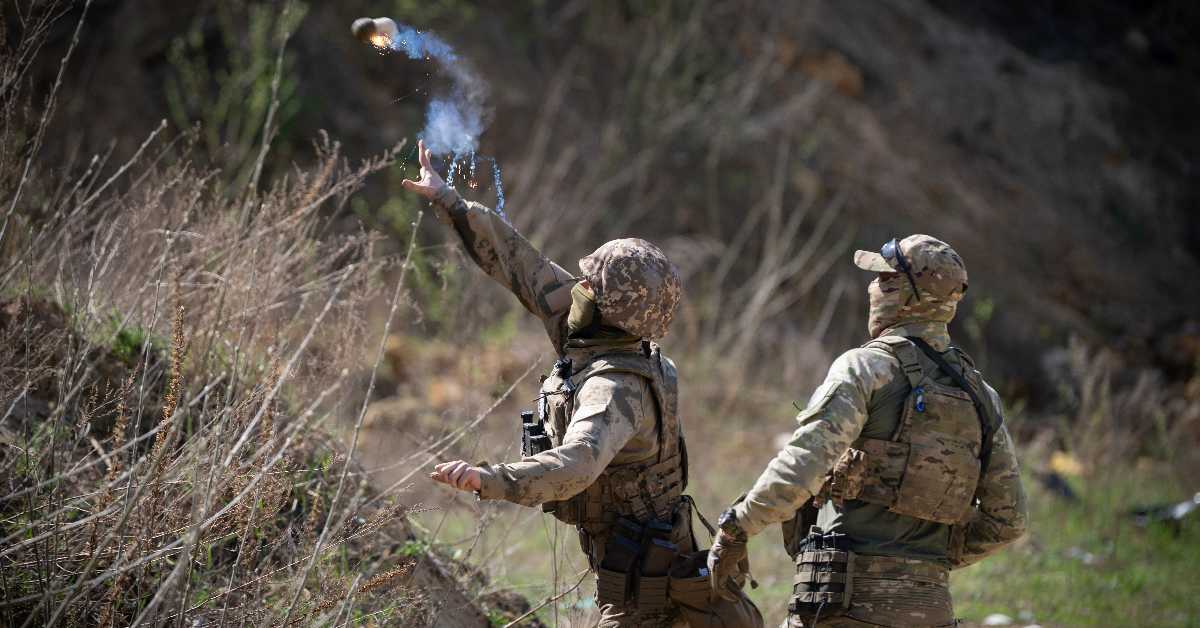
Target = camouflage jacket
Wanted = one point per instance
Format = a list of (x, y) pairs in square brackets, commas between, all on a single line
[(615, 415), (848, 404)]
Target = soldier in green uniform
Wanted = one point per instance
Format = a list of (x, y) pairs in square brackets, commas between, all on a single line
[(615, 463), (901, 468)]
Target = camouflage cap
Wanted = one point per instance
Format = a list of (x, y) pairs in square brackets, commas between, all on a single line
[(936, 268), (637, 288)]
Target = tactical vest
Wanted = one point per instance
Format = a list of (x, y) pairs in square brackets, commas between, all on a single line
[(644, 490), (930, 466)]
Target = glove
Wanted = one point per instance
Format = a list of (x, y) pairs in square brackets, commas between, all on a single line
[(727, 560)]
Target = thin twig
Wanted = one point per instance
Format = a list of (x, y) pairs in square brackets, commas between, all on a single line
[(583, 574), (47, 113), (362, 413)]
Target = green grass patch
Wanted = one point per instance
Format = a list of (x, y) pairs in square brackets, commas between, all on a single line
[(1088, 564)]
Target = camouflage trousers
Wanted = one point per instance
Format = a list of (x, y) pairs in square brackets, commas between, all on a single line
[(886, 591)]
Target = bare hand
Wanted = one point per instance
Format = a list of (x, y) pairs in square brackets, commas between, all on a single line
[(430, 182), (458, 474)]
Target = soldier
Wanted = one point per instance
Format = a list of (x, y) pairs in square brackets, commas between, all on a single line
[(617, 466), (901, 461)]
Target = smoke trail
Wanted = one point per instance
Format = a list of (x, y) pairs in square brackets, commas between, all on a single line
[(453, 123), (418, 45)]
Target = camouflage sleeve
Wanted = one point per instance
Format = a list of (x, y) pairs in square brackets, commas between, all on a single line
[(609, 410), (541, 286), (1002, 514), (832, 420)]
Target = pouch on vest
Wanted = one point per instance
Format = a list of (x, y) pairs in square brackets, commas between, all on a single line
[(634, 570), (691, 592), (534, 439), (824, 581)]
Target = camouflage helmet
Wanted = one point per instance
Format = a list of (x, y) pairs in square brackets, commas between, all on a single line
[(637, 288), (928, 280)]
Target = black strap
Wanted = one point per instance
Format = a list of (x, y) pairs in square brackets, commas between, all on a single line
[(985, 425)]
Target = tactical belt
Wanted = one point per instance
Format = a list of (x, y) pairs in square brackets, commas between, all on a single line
[(825, 579), (894, 567)]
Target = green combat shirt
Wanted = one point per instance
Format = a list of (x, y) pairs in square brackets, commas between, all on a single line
[(863, 395), (615, 414)]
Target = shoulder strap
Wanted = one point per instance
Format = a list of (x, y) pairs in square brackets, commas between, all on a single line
[(987, 426), (903, 351)]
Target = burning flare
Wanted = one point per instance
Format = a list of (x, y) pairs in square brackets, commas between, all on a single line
[(379, 32)]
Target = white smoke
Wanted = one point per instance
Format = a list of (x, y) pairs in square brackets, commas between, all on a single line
[(453, 123)]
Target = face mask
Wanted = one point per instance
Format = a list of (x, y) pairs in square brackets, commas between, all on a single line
[(584, 311), (893, 302)]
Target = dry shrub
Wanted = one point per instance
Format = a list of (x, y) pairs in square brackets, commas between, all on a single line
[(214, 330), (1115, 411)]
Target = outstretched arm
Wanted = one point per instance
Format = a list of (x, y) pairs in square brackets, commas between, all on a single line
[(610, 409), (833, 419), (541, 286)]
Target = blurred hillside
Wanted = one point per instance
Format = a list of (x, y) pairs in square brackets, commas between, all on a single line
[(1052, 142)]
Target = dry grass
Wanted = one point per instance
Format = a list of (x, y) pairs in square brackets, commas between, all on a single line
[(171, 350)]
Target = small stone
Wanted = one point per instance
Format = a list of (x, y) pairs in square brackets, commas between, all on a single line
[(997, 619)]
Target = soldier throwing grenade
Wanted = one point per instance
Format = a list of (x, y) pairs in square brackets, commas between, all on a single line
[(901, 461), (617, 468)]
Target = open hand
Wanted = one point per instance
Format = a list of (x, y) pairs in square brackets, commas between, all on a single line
[(458, 474), (430, 182)]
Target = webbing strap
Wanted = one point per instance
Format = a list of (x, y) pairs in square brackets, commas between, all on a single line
[(823, 556), (808, 576), (712, 532), (816, 597), (985, 423), (904, 353)]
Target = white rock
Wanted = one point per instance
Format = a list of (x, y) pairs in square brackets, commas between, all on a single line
[(997, 619)]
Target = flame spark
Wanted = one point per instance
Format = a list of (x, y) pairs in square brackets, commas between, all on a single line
[(381, 41)]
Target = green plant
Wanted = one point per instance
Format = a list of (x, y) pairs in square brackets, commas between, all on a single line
[(244, 98), (414, 548)]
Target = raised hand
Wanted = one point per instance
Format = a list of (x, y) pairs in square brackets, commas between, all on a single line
[(458, 473), (430, 183)]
